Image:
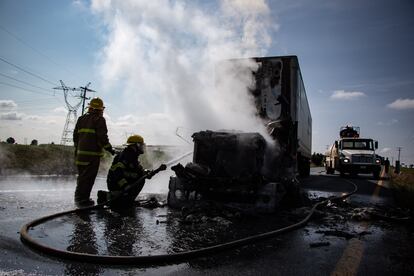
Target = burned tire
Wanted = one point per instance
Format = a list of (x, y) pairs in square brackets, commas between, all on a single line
[(303, 166), (175, 197)]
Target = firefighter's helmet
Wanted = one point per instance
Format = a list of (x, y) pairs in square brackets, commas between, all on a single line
[(96, 103), (135, 139)]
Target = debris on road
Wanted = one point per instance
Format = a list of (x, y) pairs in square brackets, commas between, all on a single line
[(336, 233), (319, 244)]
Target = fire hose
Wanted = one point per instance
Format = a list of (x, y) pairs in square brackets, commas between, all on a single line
[(162, 258)]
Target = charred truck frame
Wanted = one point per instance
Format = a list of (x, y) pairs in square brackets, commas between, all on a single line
[(241, 168)]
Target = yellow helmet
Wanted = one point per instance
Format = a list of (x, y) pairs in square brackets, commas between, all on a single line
[(96, 103), (135, 139)]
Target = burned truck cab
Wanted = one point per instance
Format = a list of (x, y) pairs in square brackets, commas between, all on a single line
[(240, 167), (226, 167)]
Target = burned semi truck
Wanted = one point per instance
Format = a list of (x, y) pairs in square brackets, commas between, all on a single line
[(243, 168)]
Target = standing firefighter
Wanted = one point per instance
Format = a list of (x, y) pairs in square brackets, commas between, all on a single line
[(90, 138)]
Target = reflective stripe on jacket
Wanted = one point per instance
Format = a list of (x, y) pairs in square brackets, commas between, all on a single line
[(90, 137), (125, 170)]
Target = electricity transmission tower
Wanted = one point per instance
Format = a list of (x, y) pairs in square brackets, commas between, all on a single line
[(72, 116)]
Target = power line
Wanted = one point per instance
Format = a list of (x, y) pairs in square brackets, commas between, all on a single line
[(26, 71), (25, 89), (33, 109), (34, 49), (35, 100), (41, 102), (9, 77)]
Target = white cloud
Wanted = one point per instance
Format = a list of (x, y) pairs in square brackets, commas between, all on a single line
[(388, 123), (346, 95), (11, 116), (60, 110), (128, 117), (385, 150), (401, 104), (80, 4), (7, 104), (50, 122), (33, 118), (43, 128)]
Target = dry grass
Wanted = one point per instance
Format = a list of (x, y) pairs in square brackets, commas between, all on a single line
[(403, 185), (57, 159)]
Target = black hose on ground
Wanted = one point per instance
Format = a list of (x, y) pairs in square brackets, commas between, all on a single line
[(156, 259)]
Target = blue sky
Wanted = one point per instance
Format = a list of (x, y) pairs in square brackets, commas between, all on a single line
[(355, 58)]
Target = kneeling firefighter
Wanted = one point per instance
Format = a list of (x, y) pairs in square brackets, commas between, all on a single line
[(126, 177)]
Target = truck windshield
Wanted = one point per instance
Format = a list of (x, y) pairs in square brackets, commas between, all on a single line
[(364, 144)]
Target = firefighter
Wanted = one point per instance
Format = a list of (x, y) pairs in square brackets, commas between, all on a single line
[(125, 170), (90, 138)]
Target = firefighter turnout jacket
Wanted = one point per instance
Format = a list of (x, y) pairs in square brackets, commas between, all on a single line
[(126, 170), (90, 138)]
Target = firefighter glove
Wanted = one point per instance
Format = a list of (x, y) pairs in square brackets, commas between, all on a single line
[(111, 151)]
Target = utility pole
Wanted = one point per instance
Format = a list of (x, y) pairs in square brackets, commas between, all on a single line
[(399, 152), (83, 95), (397, 163)]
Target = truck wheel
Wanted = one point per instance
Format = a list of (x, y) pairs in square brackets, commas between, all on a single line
[(376, 175), (341, 173), (306, 168)]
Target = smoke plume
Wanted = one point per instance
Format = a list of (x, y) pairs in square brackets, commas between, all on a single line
[(164, 56)]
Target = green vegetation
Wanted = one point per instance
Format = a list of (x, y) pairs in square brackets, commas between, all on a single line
[(43, 159), (317, 159), (403, 185), (59, 160)]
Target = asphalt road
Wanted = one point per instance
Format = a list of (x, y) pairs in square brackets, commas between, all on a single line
[(348, 238)]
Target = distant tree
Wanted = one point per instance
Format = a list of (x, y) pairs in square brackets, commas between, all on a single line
[(10, 140), (34, 142), (317, 158)]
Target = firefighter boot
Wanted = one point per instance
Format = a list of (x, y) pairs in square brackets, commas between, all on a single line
[(102, 197)]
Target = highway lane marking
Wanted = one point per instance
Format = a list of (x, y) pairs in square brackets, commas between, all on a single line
[(350, 260)]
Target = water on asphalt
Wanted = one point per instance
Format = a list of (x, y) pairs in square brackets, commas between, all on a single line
[(153, 231)]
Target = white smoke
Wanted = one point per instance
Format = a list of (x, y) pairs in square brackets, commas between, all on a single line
[(164, 56)]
